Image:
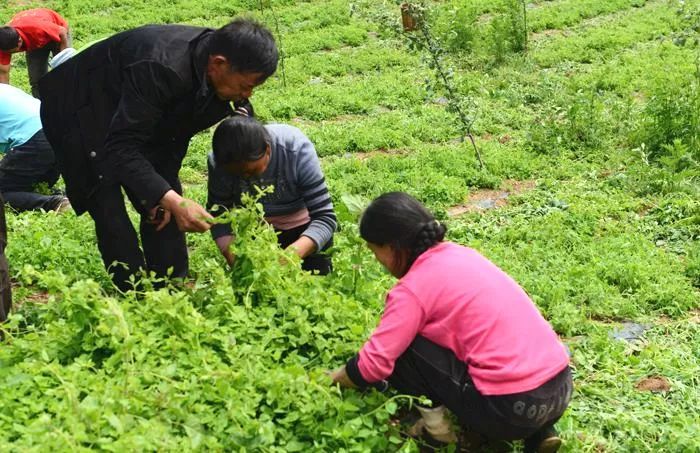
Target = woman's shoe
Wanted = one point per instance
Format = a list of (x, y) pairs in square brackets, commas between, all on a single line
[(546, 440)]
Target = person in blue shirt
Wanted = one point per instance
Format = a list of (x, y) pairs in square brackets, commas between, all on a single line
[(28, 160)]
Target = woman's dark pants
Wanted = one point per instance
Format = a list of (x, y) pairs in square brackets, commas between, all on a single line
[(426, 369)]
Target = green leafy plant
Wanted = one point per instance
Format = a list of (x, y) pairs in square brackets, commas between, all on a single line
[(509, 30), (596, 228), (463, 107)]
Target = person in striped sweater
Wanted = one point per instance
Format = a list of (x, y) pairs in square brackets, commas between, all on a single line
[(246, 154)]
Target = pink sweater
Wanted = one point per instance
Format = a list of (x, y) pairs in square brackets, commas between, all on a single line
[(456, 298)]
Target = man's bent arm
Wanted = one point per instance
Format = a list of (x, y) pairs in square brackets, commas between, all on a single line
[(5, 73), (146, 91), (63, 35)]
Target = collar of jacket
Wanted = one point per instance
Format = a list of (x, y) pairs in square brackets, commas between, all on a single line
[(200, 58)]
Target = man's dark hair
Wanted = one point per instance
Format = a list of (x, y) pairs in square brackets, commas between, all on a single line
[(239, 139), (401, 221), (247, 45), (9, 38)]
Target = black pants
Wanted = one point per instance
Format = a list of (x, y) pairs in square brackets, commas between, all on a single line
[(426, 369), (23, 168), (5, 291), (164, 252), (38, 63), (317, 262)]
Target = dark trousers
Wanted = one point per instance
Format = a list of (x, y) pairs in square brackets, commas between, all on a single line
[(23, 168), (317, 262), (5, 291), (164, 252), (38, 63), (426, 369)]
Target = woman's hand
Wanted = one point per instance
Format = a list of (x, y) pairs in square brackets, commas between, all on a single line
[(340, 376), (303, 247), (224, 245)]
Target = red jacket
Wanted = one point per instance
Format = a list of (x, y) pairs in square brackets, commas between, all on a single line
[(37, 28)]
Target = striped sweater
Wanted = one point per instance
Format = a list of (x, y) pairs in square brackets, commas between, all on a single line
[(294, 171)]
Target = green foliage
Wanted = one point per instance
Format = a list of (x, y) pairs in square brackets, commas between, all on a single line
[(693, 267), (568, 13), (509, 30), (577, 125), (458, 25), (216, 367), (669, 127), (602, 38), (235, 359)]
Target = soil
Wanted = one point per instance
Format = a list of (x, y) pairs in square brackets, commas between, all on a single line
[(653, 384), (40, 297), (695, 316), (505, 139), (37, 297), (599, 446), (484, 199)]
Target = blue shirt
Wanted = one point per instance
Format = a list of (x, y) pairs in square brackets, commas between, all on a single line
[(19, 117)]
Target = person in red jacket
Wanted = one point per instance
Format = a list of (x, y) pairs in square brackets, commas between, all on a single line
[(39, 32), (460, 331)]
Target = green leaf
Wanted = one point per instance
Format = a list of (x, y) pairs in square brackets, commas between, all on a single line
[(115, 423), (354, 203)]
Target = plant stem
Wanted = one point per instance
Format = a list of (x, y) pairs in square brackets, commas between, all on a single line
[(522, 2), (466, 124), (280, 46)]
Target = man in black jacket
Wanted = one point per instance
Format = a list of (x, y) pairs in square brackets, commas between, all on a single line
[(121, 113)]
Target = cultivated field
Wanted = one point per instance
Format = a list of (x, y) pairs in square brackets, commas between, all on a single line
[(590, 198)]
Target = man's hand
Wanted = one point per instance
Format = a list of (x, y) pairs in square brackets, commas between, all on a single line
[(190, 216), (224, 244), (159, 217)]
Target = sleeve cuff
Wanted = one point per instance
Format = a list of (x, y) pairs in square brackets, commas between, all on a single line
[(153, 193), (220, 229), (319, 235), (354, 374), (353, 371)]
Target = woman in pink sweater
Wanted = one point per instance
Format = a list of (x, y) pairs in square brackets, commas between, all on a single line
[(460, 331)]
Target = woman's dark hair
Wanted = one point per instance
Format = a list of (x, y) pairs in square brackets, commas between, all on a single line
[(247, 45), (239, 139), (9, 38), (401, 221)]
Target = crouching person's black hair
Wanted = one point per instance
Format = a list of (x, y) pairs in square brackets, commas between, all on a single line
[(9, 38), (239, 139), (401, 221), (247, 45)]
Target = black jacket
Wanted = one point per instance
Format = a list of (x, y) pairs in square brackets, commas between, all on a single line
[(124, 110)]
